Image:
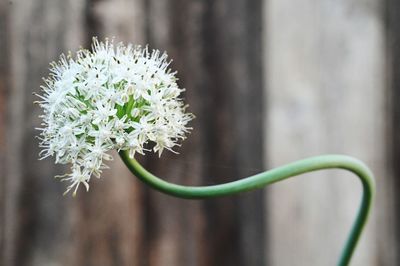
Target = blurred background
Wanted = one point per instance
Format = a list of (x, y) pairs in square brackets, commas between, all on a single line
[(270, 82)]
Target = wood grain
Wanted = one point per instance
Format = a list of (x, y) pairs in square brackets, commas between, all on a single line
[(326, 94), (220, 66), (269, 82), (35, 224), (392, 221)]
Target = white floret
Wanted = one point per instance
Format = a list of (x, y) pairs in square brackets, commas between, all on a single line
[(114, 97)]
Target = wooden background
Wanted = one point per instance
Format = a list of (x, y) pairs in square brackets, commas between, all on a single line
[(270, 81)]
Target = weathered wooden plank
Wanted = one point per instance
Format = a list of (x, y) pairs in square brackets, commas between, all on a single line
[(109, 226), (390, 249), (35, 214), (4, 81), (178, 236), (325, 62), (216, 49)]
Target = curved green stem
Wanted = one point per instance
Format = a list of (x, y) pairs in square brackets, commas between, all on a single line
[(272, 176)]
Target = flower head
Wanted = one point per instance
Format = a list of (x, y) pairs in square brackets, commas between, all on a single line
[(113, 97)]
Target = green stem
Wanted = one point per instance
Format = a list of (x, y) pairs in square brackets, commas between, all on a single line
[(272, 176)]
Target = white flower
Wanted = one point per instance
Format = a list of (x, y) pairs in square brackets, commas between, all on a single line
[(114, 97)]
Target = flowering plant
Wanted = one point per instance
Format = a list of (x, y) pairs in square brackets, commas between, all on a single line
[(114, 97), (125, 97)]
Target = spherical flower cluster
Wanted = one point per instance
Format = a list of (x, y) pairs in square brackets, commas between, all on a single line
[(114, 97)]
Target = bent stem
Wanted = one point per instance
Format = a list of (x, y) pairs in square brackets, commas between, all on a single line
[(277, 174)]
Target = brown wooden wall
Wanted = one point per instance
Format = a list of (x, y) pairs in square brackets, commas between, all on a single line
[(392, 19), (270, 81), (216, 47)]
